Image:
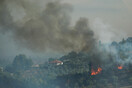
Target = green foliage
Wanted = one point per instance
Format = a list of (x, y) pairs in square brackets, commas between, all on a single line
[(7, 81), (51, 59), (74, 73), (130, 80), (20, 63)]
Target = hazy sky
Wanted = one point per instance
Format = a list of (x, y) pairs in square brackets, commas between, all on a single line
[(110, 20), (110, 16)]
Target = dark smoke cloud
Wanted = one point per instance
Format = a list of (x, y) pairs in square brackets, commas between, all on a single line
[(48, 27)]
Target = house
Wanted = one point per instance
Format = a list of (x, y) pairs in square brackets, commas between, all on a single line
[(57, 62)]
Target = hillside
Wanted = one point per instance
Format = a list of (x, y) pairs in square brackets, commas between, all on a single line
[(108, 67)]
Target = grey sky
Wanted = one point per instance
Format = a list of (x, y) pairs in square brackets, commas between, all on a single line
[(115, 13), (110, 20)]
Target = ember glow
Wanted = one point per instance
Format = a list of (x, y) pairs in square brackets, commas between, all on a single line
[(120, 67), (94, 72)]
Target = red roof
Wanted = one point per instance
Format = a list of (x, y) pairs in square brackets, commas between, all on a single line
[(56, 61)]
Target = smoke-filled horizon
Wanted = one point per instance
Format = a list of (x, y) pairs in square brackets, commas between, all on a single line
[(62, 53), (49, 29), (30, 26)]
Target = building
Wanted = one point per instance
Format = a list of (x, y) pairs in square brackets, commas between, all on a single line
[(57, 62)]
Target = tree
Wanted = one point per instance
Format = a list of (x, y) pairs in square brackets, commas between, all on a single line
[(20, 62), (51, 59)]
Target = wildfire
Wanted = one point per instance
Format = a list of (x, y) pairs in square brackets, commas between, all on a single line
[(120, 67), (93, 72)]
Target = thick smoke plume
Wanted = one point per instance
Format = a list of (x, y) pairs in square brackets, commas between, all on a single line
[(45, 25)]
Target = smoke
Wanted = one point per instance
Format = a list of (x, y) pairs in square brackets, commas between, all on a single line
[(106, 32), (45, 26)]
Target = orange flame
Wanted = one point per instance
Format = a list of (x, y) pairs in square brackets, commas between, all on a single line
[(120, 67), (93, 72)]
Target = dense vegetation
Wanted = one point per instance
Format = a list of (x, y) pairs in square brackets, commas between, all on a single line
[(75, 72)]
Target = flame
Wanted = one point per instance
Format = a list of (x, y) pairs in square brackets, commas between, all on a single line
[(93, 72), (120, 67)]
